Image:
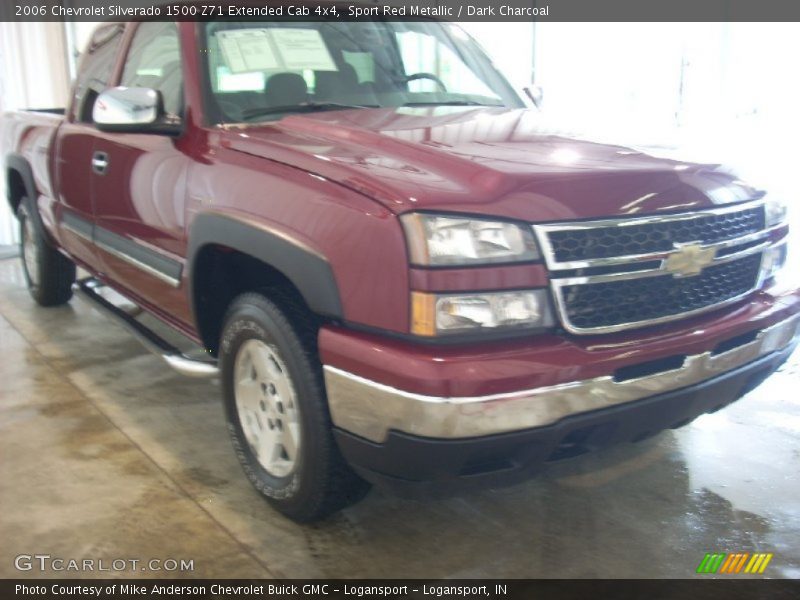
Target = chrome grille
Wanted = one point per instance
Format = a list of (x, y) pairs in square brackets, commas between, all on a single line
[(615, 274), (635, 300), (604, 242)]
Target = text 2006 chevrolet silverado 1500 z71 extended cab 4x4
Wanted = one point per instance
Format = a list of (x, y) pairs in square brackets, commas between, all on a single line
[(397, 273)]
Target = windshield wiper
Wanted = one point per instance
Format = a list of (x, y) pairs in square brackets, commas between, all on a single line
[(452, 103), (306, 107)]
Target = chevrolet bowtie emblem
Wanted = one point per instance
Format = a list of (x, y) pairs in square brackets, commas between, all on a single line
[(689, 259)]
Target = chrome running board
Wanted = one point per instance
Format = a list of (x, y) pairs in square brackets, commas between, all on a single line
[(192, 367)]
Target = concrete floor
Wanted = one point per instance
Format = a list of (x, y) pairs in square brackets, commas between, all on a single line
[(106, 453)]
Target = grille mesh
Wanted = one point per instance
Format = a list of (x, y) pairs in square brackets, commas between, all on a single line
[(606, 242), (632, 300)]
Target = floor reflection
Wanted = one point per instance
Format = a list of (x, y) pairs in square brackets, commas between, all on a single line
[(122, 457)]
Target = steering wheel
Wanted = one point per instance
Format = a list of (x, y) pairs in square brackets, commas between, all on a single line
[(439, 83)]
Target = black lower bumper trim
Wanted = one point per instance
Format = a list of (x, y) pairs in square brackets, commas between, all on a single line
[(411, 465)]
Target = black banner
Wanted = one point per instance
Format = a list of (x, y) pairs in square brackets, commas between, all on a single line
[(373, 589), (403, 10)]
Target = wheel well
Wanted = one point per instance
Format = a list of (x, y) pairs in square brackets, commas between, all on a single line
[(220, 274), (15, 189)]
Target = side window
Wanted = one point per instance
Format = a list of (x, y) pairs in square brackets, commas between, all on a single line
[(96, 66), (154, 61)]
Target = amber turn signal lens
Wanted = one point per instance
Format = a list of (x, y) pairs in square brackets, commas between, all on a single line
[(423, 314), (449, 314)]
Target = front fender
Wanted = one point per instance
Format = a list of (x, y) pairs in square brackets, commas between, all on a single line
[(307, 269)]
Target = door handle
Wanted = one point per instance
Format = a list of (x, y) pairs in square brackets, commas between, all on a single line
[(100, 163)]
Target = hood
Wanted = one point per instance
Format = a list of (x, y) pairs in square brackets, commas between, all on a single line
[(493, 161)]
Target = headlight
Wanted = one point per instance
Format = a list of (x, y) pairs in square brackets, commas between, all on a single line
[(773, 260), (775, 211), (442, 314), (438, 240)]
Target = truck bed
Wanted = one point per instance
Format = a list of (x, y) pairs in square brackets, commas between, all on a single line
[(28, 134)]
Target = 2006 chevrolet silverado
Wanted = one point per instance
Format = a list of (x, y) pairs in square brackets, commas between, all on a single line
[(397, 272)]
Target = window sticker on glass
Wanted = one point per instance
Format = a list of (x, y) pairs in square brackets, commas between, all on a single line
[(303, 49), (247, 50)]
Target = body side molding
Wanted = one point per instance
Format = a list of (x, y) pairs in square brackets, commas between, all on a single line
[(77, 225), (133, 252)]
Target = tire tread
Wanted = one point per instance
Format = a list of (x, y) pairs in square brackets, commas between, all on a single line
[(56, 271), (337, 485)]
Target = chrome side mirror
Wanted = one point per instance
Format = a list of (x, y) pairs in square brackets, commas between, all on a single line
[(132, 109)]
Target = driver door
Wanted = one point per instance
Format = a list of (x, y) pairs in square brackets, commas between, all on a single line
[(140, 193)]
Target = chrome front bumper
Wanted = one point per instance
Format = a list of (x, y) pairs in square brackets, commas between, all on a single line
[(370, 409)]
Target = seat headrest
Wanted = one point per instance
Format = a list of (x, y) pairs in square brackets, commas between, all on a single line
[(348, 75), (333, 84), (285, 89)]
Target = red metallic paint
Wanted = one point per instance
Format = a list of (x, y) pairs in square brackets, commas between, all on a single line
[(508, 366), (359, 237), (493, 161), (336, 182), (505, 277)]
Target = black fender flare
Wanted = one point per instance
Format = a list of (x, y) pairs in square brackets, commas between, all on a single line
[(308, 270), (19, 164)]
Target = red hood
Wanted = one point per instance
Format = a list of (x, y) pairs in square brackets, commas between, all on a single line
[(492, 161)]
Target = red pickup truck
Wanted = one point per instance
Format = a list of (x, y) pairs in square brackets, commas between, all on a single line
[(397, 272)]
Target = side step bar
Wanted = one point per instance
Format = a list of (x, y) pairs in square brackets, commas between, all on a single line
[(87, 290)]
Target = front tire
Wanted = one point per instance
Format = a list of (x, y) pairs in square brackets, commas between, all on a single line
[(277, 412), (49, 273)]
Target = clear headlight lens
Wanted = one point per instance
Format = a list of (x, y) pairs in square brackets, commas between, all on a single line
[(773, 260), (439, 240), (775, 212), (442, 314)]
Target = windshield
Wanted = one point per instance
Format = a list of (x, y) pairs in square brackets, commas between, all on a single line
[(265, 70)]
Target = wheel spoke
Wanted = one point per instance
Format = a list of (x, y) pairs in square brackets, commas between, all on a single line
[(265, 443), (30, 252), (283, 390), (273, 367), (248, 394), (262, 362), (290, 434), (276, 456)]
